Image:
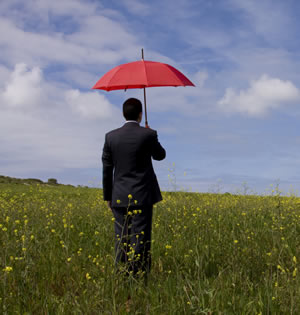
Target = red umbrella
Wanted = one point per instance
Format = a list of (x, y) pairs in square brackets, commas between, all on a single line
[(141, 74)]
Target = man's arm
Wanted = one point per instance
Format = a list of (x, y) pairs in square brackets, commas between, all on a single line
[(108, 166), (158, 152)]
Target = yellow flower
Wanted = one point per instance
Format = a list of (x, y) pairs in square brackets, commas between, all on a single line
[(118, 201), (129, 196), (7, 269), (280, 268), (88, 277), (295, 272), (236, 241), (295, 259), (69, 259), (168, 246)]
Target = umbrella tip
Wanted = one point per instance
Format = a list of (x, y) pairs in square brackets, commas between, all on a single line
[(142, 53)]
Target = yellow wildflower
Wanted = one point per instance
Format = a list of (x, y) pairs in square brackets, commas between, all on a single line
[(7, 269), (295, 259), (88, 277), (295, 272)]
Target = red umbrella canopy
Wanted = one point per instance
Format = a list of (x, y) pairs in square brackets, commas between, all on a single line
[(141, 74)]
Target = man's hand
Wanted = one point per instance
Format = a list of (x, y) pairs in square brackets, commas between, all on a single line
[(109, 204)]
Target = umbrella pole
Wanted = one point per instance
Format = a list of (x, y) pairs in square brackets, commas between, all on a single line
[(146, 120)]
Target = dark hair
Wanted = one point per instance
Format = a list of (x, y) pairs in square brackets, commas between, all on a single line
[(132, 108)]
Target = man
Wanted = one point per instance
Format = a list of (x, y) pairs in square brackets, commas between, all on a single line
[(130, 186)]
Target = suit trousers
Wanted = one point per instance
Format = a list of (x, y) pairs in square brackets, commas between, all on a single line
[(133, 238)]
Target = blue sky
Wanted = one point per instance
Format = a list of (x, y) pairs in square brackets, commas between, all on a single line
[(237, 129)]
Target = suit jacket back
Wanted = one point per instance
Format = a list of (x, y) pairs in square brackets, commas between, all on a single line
[(127, 165)]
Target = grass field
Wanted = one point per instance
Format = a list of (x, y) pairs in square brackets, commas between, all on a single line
[(212, 254)]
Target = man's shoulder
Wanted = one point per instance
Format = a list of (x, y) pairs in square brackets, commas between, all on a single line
[(148, 131), (112, 132), (142, 131)]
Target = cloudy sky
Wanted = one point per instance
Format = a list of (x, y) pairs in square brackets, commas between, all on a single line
[(238, 129)]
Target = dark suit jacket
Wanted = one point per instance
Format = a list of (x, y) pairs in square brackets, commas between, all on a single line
[(127, 165)]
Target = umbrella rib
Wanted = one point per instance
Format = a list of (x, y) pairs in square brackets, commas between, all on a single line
[(108, 84), (170, 68), (145, 74)]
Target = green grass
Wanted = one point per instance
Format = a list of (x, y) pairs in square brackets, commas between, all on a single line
[(212, 254)]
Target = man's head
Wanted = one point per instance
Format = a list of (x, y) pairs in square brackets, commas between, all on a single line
[(132, 109)]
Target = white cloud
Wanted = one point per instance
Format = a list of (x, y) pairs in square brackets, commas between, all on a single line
[(63, 131), (78, 77), (44, 10), (66, 7), (268, 18), (137, 7), (263, 95), (4, 73), (109, 38), (45, 48), (90, 105), (23, 87), (199, 78), (91, 37)]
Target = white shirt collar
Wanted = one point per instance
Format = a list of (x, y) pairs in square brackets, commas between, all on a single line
[(129, 121)]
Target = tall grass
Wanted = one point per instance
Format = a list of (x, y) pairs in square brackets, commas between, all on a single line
[(212, 254)]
